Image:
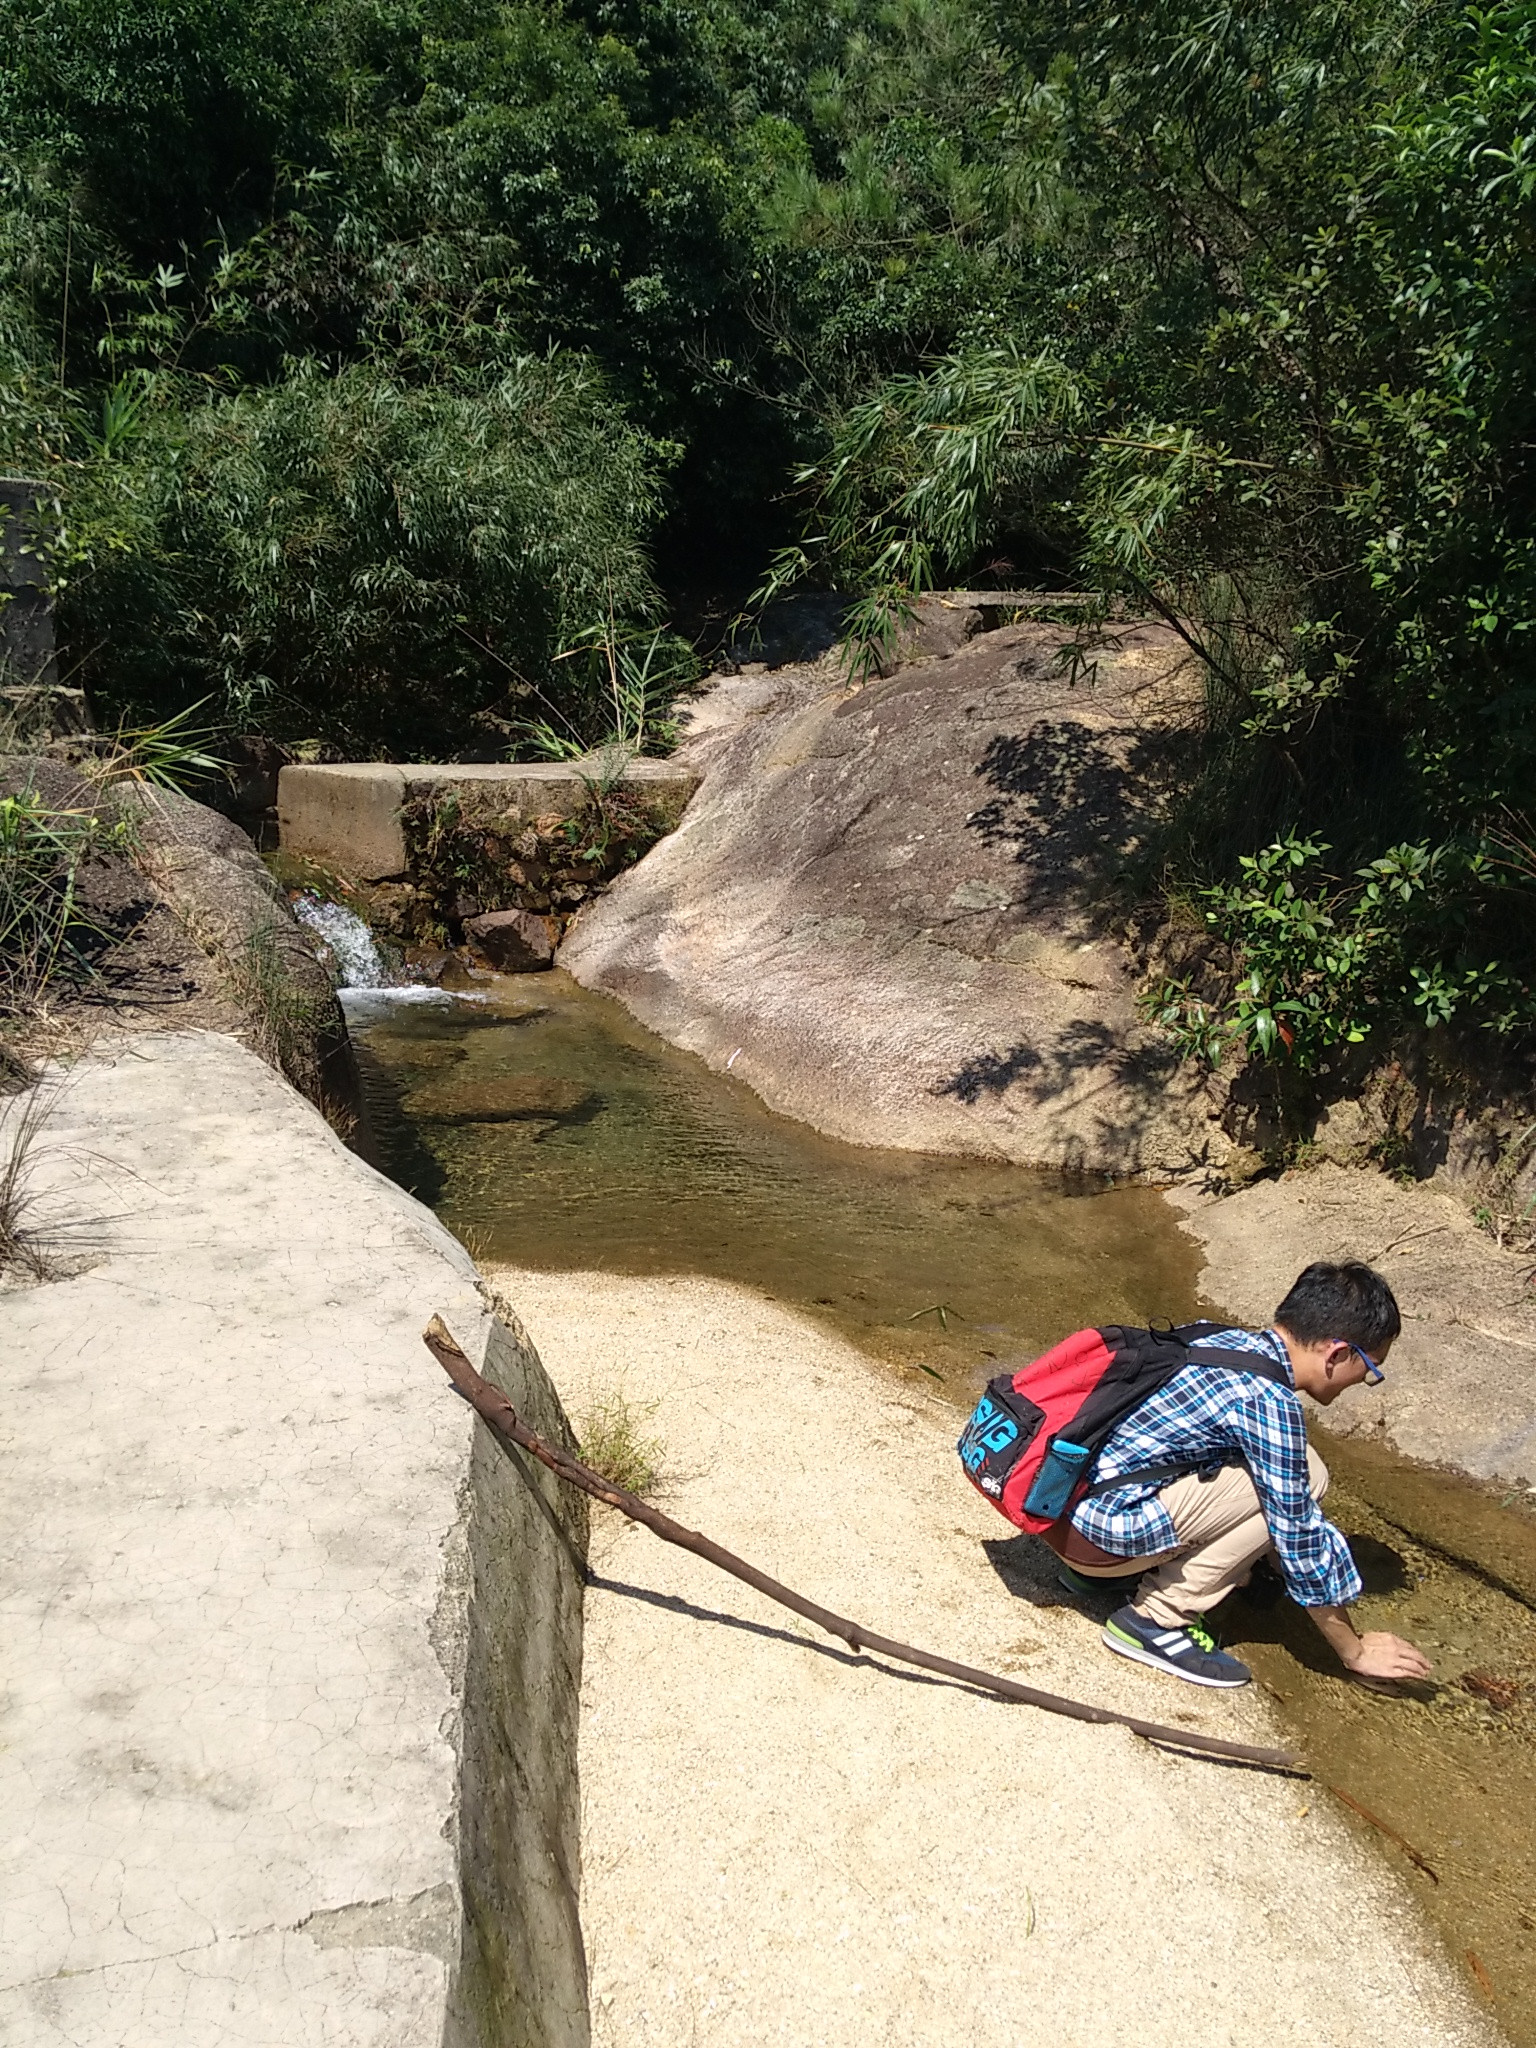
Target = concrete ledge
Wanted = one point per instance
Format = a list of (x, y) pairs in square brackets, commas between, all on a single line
[(348, 813), (288, 1754)]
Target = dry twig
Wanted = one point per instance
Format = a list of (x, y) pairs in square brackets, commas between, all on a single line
[(497, 1412)]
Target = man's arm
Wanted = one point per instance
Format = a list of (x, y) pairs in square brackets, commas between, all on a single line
[(1376, 1654), (1314, 1558)]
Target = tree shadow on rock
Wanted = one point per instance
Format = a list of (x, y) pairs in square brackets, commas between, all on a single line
[(1073, 804), (1123, 1095), (989, 1073)]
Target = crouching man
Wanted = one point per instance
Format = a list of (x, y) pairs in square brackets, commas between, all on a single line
[(1250, 1487)]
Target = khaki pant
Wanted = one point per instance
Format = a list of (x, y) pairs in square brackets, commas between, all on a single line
[(1222, 1533)]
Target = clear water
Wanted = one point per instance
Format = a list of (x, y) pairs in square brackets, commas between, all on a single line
[(548, 1129), (347, 945)]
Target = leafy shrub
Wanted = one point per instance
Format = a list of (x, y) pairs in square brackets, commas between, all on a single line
[(616, 695), (383, 565), (1320, 963)]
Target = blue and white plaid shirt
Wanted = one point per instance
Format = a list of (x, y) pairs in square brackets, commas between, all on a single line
[(1207, 1417)]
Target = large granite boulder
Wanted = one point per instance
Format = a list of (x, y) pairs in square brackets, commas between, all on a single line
[(888, 906)]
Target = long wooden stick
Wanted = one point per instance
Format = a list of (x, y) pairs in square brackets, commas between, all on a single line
[(498, 1412)]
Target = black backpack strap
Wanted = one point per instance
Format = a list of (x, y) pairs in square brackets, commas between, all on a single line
[(1160, 1473), (1259, 1363)]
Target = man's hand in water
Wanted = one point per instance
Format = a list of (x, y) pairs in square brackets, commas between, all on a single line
[(1380, 1655), (1376, 1654)]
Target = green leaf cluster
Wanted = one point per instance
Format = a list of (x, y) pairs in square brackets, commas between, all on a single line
[(1269, 378), (1321, 962)]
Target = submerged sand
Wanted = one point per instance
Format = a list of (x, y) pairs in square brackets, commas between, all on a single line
[(783, 1843)]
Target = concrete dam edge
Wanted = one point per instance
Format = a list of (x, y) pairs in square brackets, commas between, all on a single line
[(291, 1735)]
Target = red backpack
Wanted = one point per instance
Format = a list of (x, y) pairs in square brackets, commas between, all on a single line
[(1031, 1444)]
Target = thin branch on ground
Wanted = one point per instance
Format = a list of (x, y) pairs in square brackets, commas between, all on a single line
[(498, 1413)]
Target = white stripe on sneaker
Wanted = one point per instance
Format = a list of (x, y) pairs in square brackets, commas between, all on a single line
[(1123, 1647)]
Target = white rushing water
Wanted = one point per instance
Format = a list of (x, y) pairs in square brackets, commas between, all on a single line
[(367, 988), (353, 957)]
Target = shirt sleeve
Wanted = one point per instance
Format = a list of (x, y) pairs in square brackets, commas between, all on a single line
[(1314, 1558)]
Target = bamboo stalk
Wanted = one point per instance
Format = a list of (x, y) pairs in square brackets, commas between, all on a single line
[(502, 1418)]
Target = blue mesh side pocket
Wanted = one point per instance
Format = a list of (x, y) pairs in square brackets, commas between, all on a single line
[(1063, 1465)]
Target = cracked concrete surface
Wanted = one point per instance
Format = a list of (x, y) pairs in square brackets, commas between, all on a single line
[(235, 1582)]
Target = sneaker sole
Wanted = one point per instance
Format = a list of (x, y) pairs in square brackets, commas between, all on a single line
[(1134, 1651)]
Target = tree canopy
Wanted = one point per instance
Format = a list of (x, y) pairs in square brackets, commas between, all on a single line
[(382, 353)]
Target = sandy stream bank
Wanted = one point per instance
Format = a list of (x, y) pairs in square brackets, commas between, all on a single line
[(784, 1844)]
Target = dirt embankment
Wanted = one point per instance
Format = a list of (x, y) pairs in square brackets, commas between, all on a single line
[(881, 908), (182, 928)]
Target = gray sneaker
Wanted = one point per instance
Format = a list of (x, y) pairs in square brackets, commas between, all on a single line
[(1190, 1652)]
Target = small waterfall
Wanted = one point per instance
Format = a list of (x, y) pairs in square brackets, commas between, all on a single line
[(352, 956)]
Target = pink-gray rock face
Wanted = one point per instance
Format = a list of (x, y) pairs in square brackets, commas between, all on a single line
[(878, 909)]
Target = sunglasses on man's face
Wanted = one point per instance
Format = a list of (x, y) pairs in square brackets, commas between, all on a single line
[(1373, 1372)]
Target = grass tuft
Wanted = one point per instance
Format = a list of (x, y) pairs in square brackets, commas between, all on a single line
[(282, 1015), (613, 1442), (29, 1248), (45, 935)]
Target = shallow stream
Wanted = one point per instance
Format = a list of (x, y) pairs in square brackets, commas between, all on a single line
[(550, 1130)]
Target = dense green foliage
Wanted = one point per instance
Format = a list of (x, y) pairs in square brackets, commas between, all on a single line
[(386, 353), (1270, 377)]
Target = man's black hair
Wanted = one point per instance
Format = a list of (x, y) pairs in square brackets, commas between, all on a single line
[(1349, 1302)]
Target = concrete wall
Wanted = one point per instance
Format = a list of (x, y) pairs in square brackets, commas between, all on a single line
[(287, 1752), (347, 814), (522, 1978)]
